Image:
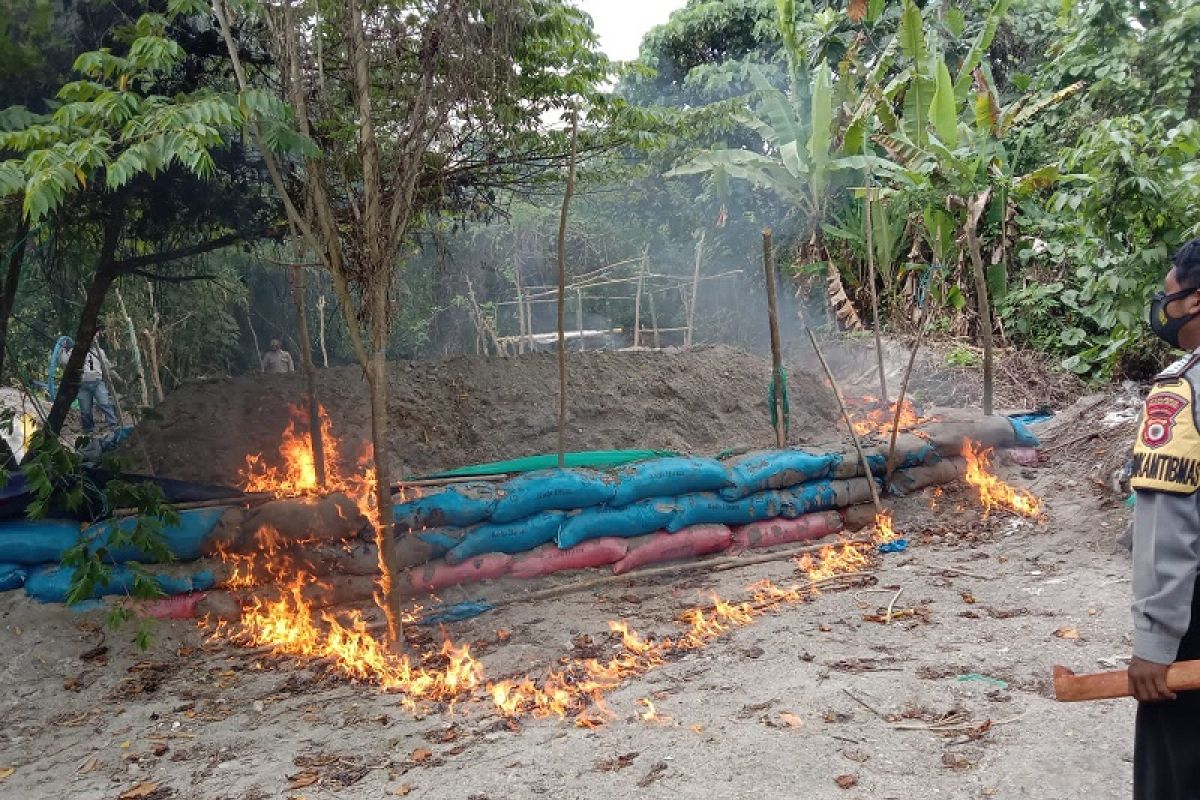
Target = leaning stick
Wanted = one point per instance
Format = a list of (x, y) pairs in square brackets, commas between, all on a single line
[(837, 394), (912, 359), (1070, 688)]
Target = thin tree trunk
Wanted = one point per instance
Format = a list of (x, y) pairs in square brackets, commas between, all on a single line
[(875, 295), (653, 319), (974, 212), (691, 317), (310, 375), (562, 297), (579, 315), (521, 332), (254, 337), (97, 290), (151, 335), (777, 376), (8, 298), (321, 330), (389, 548), (134, 348)]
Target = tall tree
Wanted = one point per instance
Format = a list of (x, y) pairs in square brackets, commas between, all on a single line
[(415, 106)]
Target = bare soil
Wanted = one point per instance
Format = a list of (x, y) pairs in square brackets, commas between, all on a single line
[(811, 701), (471, 410)]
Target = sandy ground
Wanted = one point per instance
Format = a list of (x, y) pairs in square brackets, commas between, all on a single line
[(781, 708)]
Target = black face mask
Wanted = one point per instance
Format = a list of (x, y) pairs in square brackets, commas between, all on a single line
[(1165, 326)]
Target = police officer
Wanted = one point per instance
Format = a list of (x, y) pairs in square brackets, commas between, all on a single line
[(1166, 548)]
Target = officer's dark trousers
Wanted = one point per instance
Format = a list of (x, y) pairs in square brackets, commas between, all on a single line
[(1166, 748)]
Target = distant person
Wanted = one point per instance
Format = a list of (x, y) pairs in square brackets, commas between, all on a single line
[(93, 387), (277, 360)]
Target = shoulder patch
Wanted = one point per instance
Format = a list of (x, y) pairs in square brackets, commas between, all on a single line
[(1178, 367), (1166, 453)]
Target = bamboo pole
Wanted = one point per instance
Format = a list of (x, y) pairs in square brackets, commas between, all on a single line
[(974, 212), (691, 317), (837, 394), (637, 299), (874, 292), (321, 330), (562, 296), (777, 376), (134, 347), (654, 320), (912, 359)]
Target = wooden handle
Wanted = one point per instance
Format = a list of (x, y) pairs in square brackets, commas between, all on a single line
[(1182, 676)]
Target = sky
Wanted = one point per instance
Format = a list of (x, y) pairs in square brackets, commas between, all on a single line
[(621, 24)]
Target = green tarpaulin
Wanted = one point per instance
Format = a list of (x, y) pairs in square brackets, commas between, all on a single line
[(597, 459)]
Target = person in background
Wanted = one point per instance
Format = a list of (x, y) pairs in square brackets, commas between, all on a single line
[(1166, 547), (277, 360), (93, 386)]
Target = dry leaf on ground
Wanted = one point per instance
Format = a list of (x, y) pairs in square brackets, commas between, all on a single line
[(6, 772), (302, 779), (420, 755), (791, 720), (402, 790), (846, 781), (139, 790), (1067, 633)]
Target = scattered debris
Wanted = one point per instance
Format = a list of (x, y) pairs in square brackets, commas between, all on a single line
[(846, 781), (616, 763), (656, 772)]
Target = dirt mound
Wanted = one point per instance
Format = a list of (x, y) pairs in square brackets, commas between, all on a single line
[(470, 410)]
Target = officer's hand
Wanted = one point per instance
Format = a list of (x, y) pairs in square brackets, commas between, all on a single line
[(1148, 681)]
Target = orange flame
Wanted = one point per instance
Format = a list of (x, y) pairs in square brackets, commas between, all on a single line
[(872, 415), (994, 493), (298, 475), (884, 532)]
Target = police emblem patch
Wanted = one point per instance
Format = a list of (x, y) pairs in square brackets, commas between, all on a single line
[(1161, 410)]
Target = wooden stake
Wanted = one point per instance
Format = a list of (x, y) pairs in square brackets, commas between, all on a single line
[(654, 320), (777, 375), (321, 327), (912, 359), (874, 294), (837, 394), (691, 318), (562, 296), (637, 299), (974, 211)]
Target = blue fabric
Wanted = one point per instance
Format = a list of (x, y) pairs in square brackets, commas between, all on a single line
[(668, 477), (188, 540), (1032, 418), (551, 489), (442, 540), (1024, 436), (778, 469), (926, 453), (457, 506), (644, 516), (40, 541), (511, 537), (12, 576), (709, 508), (51, 584), (456, 612), (894, 546)]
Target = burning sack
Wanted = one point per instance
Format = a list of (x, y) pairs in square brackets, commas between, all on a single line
[(644, 516), (549, 559), (774, 532), (911, 480), (298, 519), (551, 490), (668, 477), (699, 540), (955, 427)]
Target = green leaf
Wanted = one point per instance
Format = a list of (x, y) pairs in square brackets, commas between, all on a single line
[(956, 20), (943, 110), (822, 120), (982, 42), (918, 99), (912, 32), (777, 109)]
